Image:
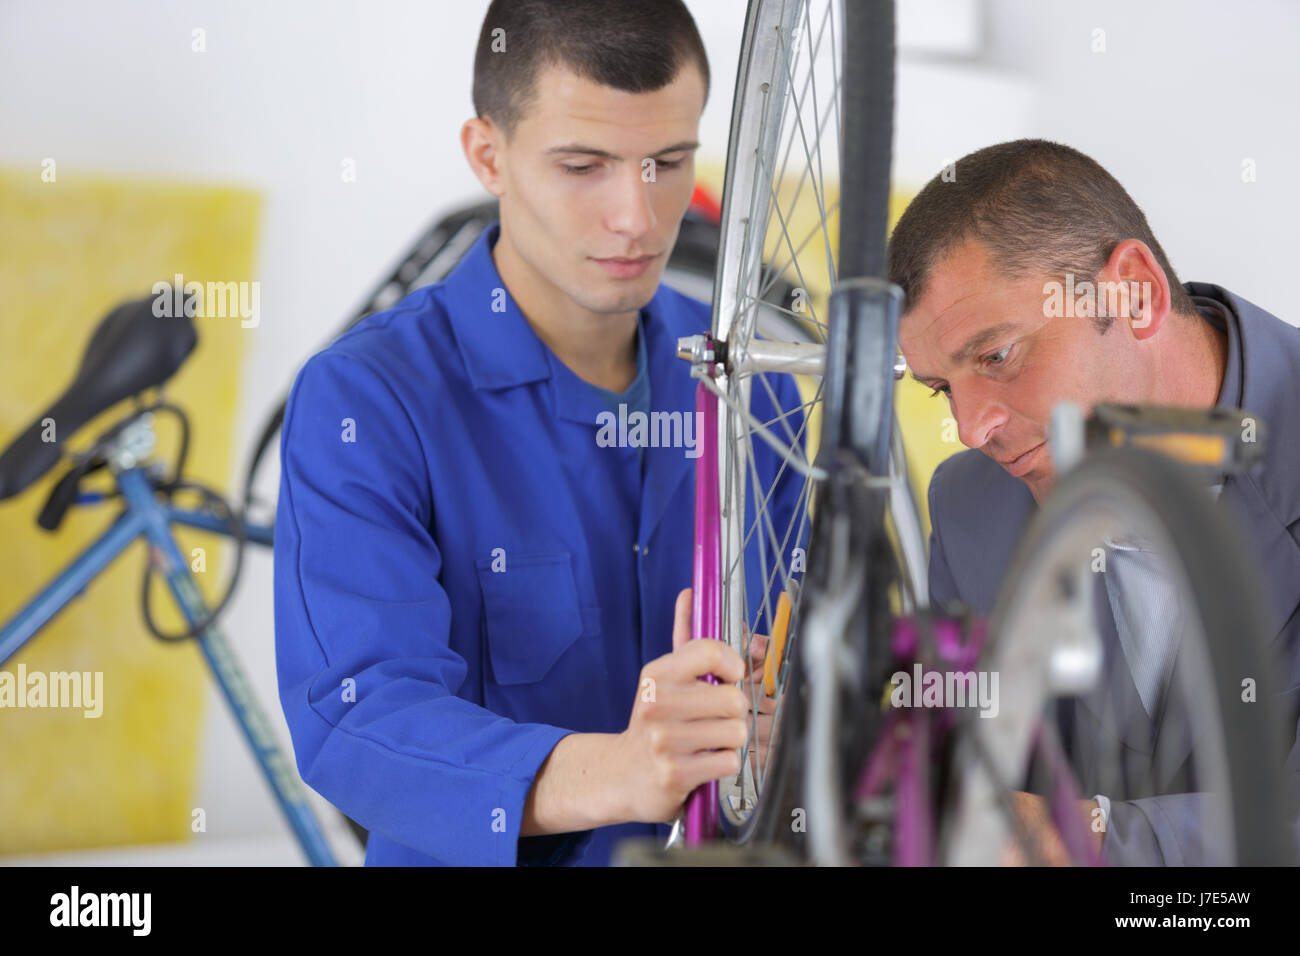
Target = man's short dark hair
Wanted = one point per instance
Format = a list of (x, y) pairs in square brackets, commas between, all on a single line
[(637, 46), (1039, 207)]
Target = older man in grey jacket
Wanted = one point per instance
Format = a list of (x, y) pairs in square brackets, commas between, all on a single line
[(1031, 277)]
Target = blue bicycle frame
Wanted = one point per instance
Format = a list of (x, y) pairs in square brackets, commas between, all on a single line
[(144, 515)]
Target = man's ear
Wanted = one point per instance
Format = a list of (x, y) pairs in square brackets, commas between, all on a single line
[(1140, 285), (480, 139)]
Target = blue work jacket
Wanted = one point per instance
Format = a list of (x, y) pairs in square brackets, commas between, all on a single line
[(464, 574)]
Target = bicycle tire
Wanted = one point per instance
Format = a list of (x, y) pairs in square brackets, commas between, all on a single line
[(868, 137)]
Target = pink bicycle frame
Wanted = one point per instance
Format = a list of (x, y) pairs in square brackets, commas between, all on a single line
[(706, 582)]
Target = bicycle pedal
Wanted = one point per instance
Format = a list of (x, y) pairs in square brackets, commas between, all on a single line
[(1215, 441)]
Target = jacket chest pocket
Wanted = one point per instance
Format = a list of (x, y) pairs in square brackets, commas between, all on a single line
[(531, 614)]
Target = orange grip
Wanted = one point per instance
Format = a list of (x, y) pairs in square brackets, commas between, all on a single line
[(776, 648)]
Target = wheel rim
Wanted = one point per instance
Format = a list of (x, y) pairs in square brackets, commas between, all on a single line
[(778, 227)]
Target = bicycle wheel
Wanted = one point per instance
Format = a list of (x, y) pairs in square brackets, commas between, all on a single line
[(789, 164), (1180, 730)]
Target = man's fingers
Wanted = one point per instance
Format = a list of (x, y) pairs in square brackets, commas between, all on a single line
[(1045, 843), (696, 700), (708, 656), (703, 736), (711, 765), (712, 656), (682, 619)]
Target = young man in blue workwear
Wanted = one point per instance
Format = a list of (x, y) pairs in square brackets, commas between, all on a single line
[(477, 647)]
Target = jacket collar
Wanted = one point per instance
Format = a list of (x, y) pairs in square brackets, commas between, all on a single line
[(1266, 500), (500, 350), (499, 347), (1217, 313), (1270, 371)]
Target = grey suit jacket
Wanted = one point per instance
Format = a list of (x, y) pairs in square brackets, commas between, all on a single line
[(979, 512)]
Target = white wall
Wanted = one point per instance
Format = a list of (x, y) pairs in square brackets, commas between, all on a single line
[(286, 90), (1184, 92)]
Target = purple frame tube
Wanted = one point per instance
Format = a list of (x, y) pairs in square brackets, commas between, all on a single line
[(706, 581)]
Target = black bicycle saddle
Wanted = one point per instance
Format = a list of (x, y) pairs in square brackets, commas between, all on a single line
[(131, 350)]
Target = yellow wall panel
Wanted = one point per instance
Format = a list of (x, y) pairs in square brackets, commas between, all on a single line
[(69, 251)]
